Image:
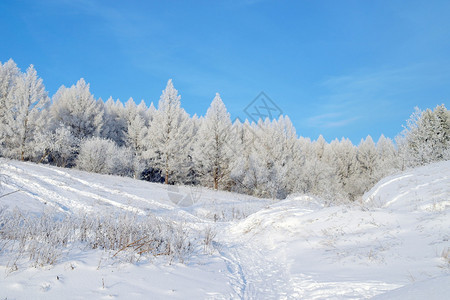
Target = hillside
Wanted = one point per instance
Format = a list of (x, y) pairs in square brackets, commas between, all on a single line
[(393, 244)]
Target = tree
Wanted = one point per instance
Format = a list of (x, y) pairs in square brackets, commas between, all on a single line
[(114, 127), (387, 157), (136, 132), (23, 116), (276, 151), (58, 147), (76, 109), (343, 160), (169, 136), (8, 79), (367, 158), (213, 153), (426, 137), (104, 156), (8, 75), (318, 177), (241, 145)]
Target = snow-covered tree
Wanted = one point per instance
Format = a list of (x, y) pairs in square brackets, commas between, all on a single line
[(318, 177), (427, 136), (213, 153), (77, 110), (9, 72), (104, 156), (276, 150), (22, 115), (58, 147), (246, 169), (137, 121), (29, 100), (267, 158), (8, 75), (169, 136), (344, 163), (387, 157), (115, 126), (367, 158)]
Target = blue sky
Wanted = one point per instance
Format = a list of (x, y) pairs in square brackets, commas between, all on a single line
[(336, 68)]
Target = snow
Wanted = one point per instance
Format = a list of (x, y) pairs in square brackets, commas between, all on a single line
[(390, 245)]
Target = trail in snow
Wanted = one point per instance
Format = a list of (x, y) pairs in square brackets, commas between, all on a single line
[(111, 191), (58, 188), (253, 275)]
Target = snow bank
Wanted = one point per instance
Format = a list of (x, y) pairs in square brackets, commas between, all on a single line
[(423, 188), (400, 235)]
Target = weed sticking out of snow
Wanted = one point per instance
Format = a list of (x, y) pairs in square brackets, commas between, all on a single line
[(45, 239)]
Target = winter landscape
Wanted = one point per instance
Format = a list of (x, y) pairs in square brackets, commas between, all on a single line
[(309, 157), (394, 244), (235, 210)]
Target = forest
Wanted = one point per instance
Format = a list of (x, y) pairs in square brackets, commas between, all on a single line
[(164, 144)]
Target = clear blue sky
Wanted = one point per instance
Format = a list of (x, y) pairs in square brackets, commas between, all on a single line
[(337, 68)]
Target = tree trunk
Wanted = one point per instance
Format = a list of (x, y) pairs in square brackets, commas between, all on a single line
[(24, 137), (216, 178)]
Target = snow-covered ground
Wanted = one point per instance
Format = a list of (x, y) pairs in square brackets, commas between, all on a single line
[(393, 245)]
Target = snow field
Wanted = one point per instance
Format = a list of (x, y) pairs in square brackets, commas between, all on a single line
[(392, 245)]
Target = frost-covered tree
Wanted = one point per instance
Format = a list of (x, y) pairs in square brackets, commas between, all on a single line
[(344, 163), (245, 169), (9, 72), (213, 153), (137, 121), (114, 126), (169, 137), (387, 157), (318, 176), (276, 151), (57, 147), (367, 158), (25, 104), (76, 109), (426, 137), (267, 156), (8, 75), (104, 156), (289, 155), (319, 147)]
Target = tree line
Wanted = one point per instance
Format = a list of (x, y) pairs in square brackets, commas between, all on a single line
[(165, 144)]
